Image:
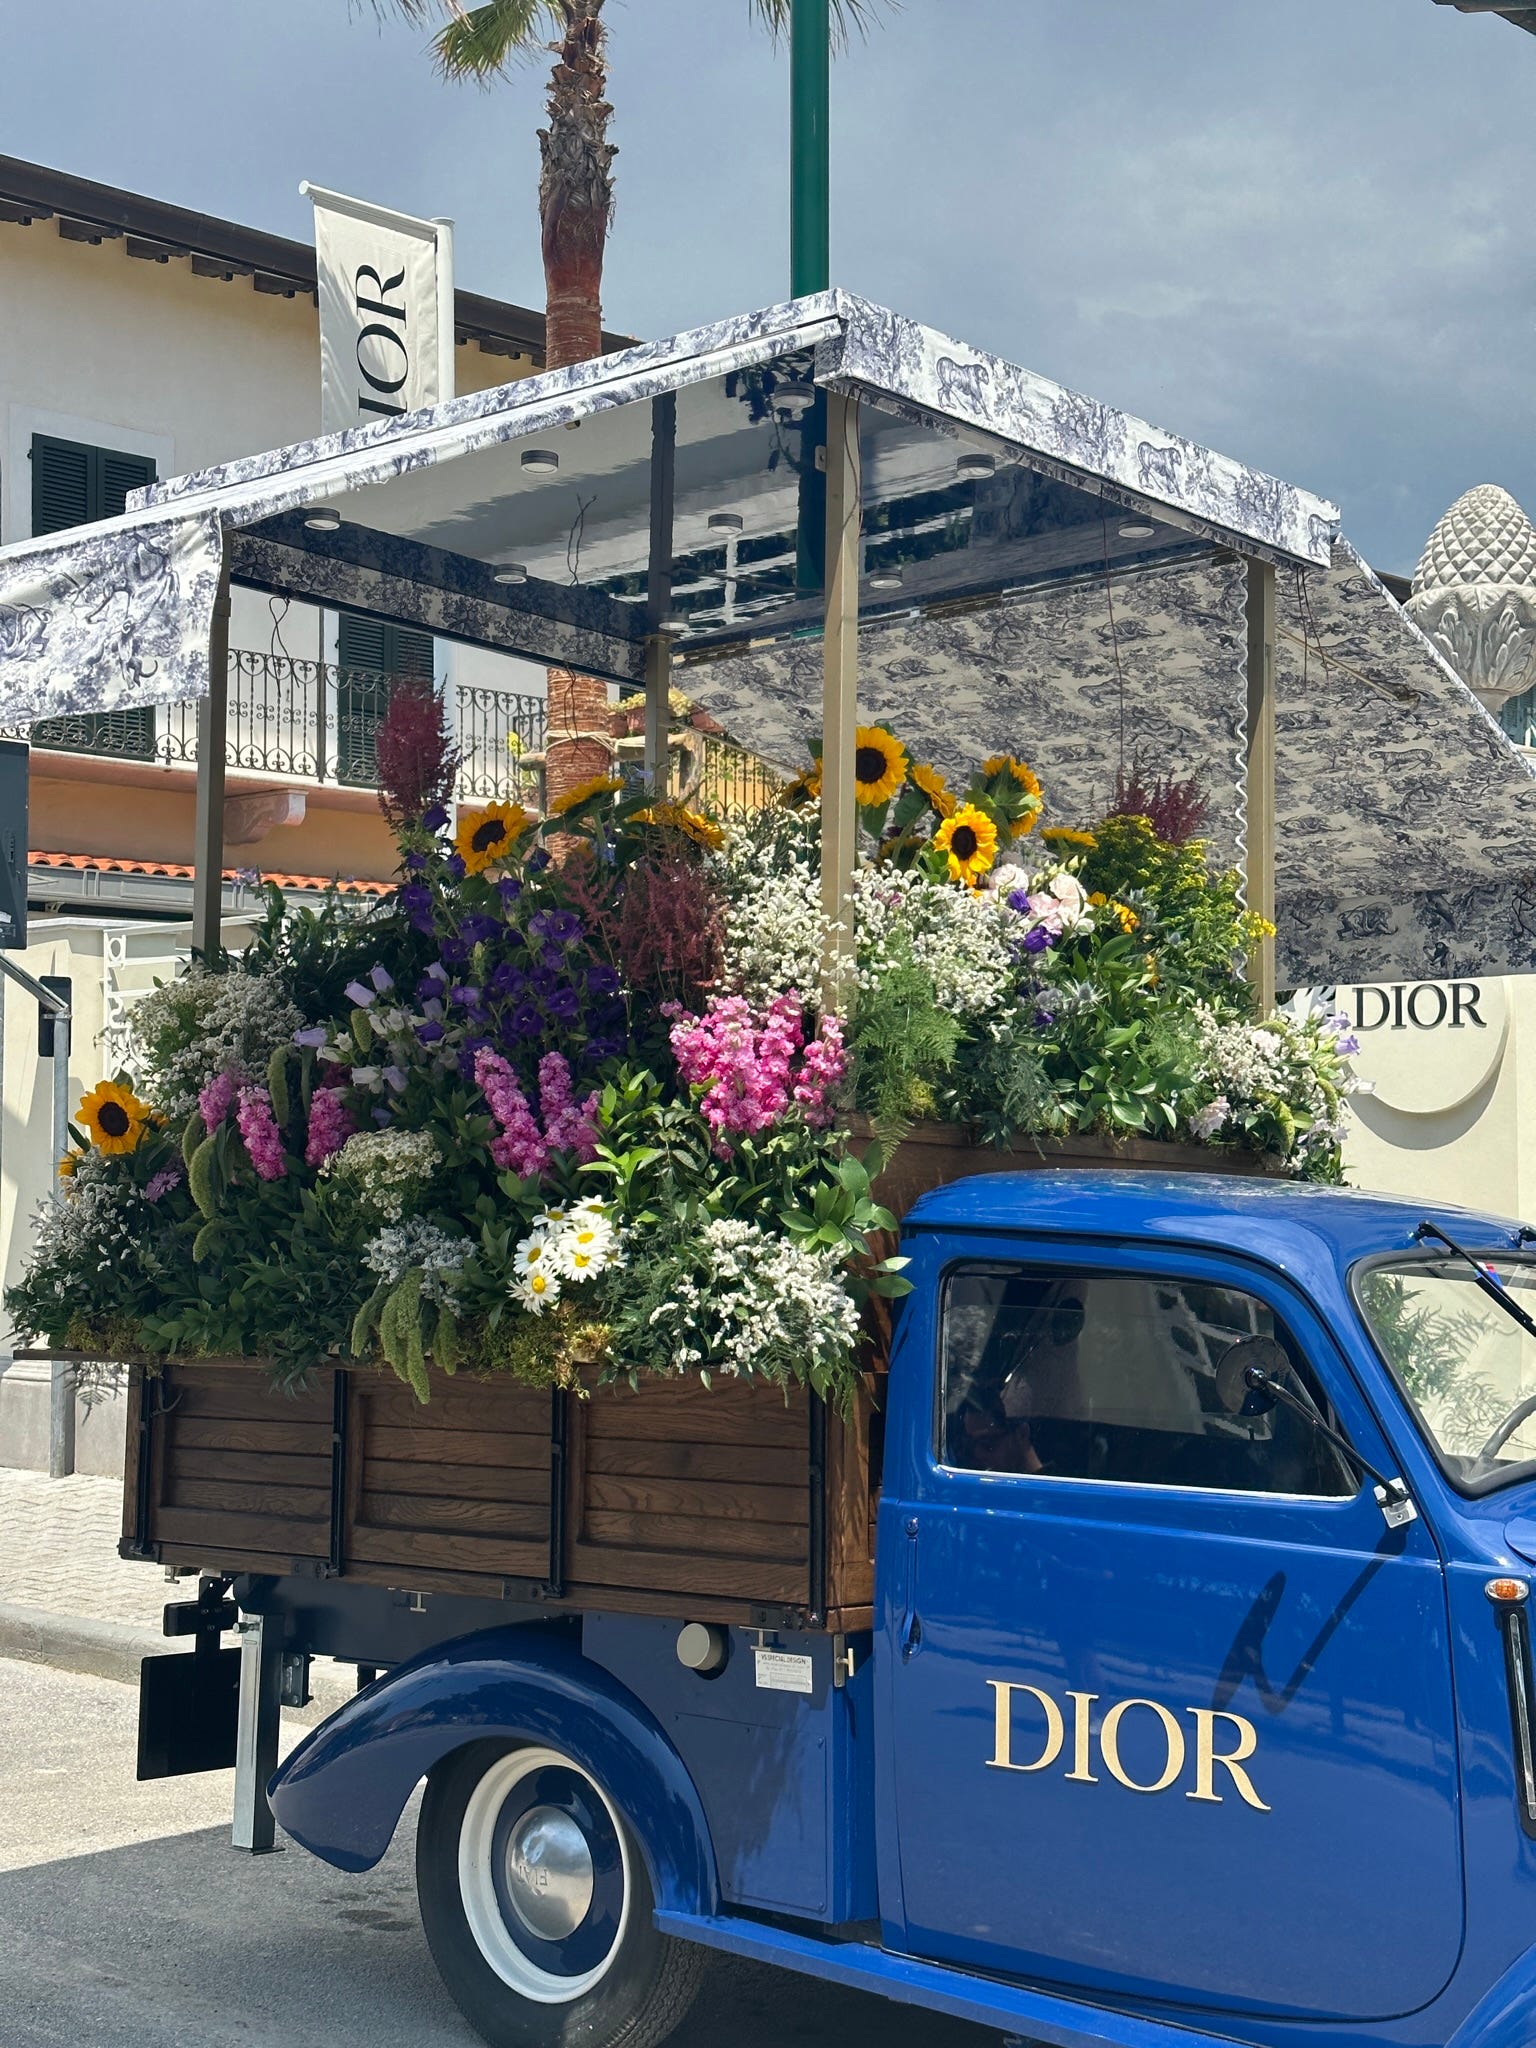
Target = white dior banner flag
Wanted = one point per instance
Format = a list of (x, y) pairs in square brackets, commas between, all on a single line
[(386, 310)]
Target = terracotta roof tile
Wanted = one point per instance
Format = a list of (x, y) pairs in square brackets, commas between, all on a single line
[(178, 871)]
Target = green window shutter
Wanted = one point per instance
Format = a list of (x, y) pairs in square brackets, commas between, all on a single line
[(61, 483), (121, 474), (73, 483), (368, 649)]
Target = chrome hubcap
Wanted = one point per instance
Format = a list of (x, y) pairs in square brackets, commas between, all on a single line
[(549, 1873)]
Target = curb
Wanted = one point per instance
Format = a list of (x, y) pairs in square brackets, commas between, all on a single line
[(101, 1649), (115, 1649)]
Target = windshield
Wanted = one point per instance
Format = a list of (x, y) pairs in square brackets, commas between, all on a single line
[(1465, 1363)]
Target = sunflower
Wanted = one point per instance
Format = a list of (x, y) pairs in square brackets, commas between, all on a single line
[(931, 784), (879, 765), (679, 818), (114, 1116), (970, 840), (1066, 838), (485, 837), (1026, 786), (69, 1165), (595, 785), (805, 789)]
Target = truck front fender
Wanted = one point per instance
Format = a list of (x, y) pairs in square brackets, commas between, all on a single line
[(1506, 2016), (342, 1791)]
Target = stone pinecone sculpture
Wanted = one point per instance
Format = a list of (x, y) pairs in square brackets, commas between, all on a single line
[(1474, 593)]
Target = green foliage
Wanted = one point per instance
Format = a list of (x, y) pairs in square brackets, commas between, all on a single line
[(314, 951), (903, 1047), (1002, 1088)]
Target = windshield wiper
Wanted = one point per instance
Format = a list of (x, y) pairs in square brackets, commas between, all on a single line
[(1522, 1410)]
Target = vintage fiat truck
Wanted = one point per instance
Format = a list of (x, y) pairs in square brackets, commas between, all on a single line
[(1147, 1663)]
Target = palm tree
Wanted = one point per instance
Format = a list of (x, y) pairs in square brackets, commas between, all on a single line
[(576, 177)]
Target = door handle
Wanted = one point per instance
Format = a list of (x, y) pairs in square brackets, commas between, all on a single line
[(911, 1623)]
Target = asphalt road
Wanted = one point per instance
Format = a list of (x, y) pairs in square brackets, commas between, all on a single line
[(127, 1921)]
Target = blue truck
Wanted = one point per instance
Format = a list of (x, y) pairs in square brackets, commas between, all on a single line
[(1197, 1703)]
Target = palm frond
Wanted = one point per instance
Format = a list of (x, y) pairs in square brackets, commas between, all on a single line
[(850, 18), (483, 42), (479, 42)]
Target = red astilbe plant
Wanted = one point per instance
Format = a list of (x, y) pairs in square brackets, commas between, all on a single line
[(417, 760), (668, 935), (1176, 810)]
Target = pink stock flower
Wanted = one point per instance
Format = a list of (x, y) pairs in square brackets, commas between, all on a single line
[(520, 1145), (822, 1073), (216, 1100), (330, 1125), (569, 1126), (258, 1127), (747, 1064)]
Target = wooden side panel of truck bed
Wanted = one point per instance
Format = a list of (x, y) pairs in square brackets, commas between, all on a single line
[(728, 1503)]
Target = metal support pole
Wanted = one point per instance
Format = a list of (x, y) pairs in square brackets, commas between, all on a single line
[(61, 1387), (1259, 775), (447, 308), (208, 831), (840, 698), (810, 150), (658, 592), (261, 1670)]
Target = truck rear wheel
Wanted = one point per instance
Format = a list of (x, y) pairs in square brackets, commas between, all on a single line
[(537, 1906)]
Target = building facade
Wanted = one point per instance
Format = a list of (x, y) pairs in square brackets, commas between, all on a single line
[(139, 341)]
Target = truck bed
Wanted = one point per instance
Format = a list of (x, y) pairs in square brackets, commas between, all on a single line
[(731, 1503)]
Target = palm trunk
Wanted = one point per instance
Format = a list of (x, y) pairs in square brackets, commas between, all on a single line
[(575, 207), (576, 189)]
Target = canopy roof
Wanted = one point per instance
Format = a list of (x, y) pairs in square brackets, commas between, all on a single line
[(1042, 574)]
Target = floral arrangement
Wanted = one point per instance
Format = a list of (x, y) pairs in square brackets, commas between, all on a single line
[(565, 1103)]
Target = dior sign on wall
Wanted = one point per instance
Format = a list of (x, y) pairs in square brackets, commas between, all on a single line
[(1427, 1046), (386, 310)]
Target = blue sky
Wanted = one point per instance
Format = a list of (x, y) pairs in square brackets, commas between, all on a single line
[(1299, 230)]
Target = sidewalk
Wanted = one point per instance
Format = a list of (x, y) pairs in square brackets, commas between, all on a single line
[(67, 1598)]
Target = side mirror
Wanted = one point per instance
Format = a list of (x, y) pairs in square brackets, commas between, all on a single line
[(1246, 1376), (1254, 1377)]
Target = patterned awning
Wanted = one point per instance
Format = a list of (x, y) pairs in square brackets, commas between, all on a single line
[(1042, 573)]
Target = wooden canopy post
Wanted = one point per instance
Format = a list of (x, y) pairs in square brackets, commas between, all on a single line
[(840, 699), (658, 593), (208, 829), (1259, 775)]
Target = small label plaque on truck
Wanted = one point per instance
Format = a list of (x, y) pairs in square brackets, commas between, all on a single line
[(783, 1671)]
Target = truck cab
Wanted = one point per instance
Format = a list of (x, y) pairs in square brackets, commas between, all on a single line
[(1197, 1701)]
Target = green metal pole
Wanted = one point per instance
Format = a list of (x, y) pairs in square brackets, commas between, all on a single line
[(810, 147)]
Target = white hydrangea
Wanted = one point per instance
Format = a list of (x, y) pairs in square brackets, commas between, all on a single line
[(961, 937), (757, 1304), (186, 1031), (383, 1169), (417, 1243)]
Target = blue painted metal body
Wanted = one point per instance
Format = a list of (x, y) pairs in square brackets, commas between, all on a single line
[(1376, 1887)]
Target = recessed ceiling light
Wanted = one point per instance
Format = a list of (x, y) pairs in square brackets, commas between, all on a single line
[(542, 459), (1138, 529), (725, 522), (885, 579), (976, 464), (794, 399), (510, 572), (322, 519)]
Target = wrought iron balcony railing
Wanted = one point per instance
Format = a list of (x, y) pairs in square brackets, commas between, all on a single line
[(312, 721)]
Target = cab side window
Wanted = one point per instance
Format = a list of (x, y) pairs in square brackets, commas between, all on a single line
[(1117, 1376)]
